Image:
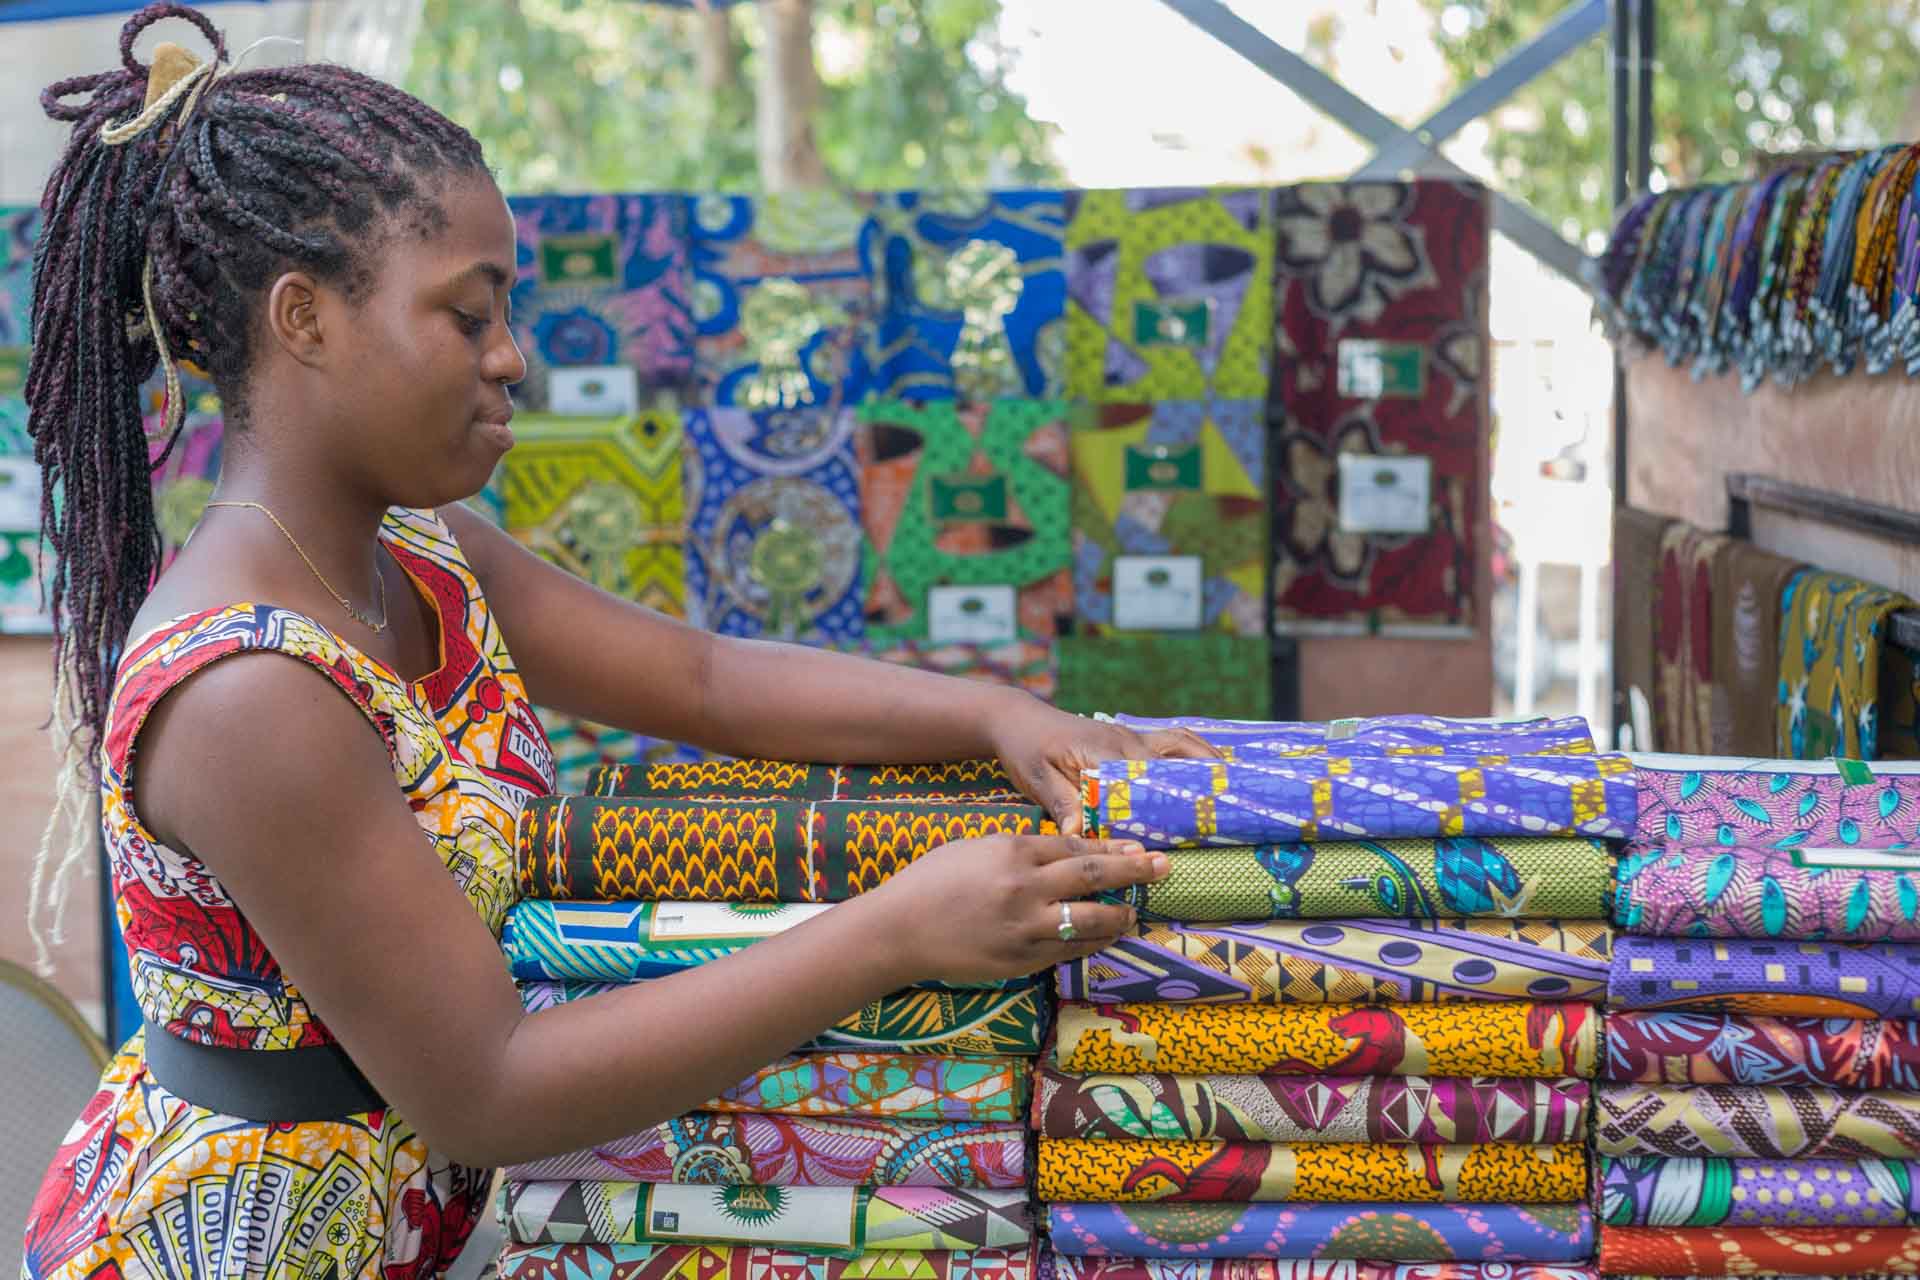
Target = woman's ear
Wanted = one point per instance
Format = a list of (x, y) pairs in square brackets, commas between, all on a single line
[(293, 317)]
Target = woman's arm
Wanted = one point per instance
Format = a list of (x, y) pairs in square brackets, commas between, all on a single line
[(583, 651), (276, 781)]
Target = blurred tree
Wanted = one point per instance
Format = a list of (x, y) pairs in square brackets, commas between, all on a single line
[(1735, 78), (623, 94)]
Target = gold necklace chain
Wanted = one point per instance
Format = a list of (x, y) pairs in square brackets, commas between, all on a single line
[(380, 579)]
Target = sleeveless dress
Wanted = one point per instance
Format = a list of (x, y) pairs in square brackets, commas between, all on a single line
[(149, 1185)]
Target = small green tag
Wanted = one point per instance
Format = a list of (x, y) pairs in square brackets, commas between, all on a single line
[(1176, 468), (1341, 730), (968, 499), (586, 259), (13, 370), (1854, 773), (1375, 370), (1172, 324)]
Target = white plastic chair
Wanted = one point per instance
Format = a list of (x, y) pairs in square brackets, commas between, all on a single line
[(50, 1060)]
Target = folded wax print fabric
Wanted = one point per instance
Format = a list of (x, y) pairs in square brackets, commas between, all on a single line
[(1748, 587), (799, 1151), (1180, 804), (1375, 1232), (1777, 804), (1777, 1122), (1182, 478), (761, 1262), (1569, 879), (945, 1022), (1710, 1048), (972, 294), (1164, 671), (1531, 1040), (1056, 1266), (1851, 895), (892, 1086), (1830, 691), (1654, 1191), (601, 280), (1760, 1251), (739, 851), (635, 941), (1145, 1169), (1407, 735), (828, 1219), (979, 781), (1169, 293), (1741, 975), (1345, 962), (1684, 693), (1636, 562), (1343, 1109), (972, 495)]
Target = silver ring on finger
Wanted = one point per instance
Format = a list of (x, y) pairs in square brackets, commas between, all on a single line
[(1067, 932)]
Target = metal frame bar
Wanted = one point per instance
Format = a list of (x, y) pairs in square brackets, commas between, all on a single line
[(1513, 220), (1745, 492), (1569, 29)]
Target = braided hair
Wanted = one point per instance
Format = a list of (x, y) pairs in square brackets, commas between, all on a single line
[(165, 223)]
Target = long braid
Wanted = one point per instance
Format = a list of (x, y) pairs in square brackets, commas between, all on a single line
[(164, 224)]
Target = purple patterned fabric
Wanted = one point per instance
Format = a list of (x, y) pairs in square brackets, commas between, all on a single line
[(1376, 1232), (1382, 736), (1741, 975), (1654, 1191), (1180, 804), (1853, 895), (1777, 804), (1055, 1266)]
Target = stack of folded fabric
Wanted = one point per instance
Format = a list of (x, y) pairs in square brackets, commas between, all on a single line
[(890, 1145), (1357, 1021), (1759, 1111)]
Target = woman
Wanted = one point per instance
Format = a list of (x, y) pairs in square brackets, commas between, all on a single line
[(338, 258)]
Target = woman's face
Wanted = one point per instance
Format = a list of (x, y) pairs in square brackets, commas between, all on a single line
[(423, 401)]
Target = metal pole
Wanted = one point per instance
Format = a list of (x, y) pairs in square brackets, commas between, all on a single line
[(1643, 95), (1618, 50)]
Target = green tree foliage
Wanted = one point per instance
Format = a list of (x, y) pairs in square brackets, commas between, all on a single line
[(571, 95), (1737, 79)]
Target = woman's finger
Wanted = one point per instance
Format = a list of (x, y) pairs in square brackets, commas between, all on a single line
[(1094, 873), (1181, 744), (1060, 796)]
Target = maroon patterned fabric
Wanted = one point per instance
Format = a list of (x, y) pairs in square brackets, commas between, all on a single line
[(1403, 264)]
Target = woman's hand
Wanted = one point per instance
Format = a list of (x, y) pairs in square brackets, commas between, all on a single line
[(990, 909), (1044, 750)]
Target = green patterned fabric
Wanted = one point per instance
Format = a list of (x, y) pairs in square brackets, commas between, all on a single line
[(964, 495), (1200, 674), (1567, 879)]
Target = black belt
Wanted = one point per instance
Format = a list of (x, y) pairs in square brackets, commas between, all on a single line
[(266, 1086)]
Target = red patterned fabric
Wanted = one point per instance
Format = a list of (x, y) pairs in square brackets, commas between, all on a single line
[(1399, 263)]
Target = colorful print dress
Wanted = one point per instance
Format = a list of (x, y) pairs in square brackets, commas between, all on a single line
[(148, 1185)]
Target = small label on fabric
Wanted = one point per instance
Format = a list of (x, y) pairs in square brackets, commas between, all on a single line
[(1843, 858), (1158, 593), (968, 499), (588, 257), (1374, 370), (1854, 773), (1173, 323), (594, 391), (792, 1217), (972, 615), (725, 922), (1385, 493), (1165, 468), (1341, 730)]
